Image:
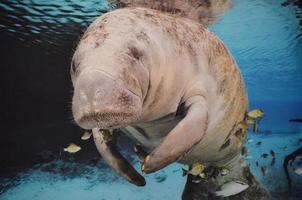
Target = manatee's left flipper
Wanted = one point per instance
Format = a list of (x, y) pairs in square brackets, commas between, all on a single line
[(188, 132), (105, 144)]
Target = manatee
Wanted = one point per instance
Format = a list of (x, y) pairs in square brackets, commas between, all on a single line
[(167, 81)]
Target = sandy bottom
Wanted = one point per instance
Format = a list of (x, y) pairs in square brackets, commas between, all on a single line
[(93, 183), (72, 181)]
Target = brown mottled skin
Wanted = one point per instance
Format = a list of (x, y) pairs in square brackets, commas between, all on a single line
[(169, 81), (202, 11)]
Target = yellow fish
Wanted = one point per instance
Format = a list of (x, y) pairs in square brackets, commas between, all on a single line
[(263, 170), (197, 168), (256, 113), (86, 135), (224, 171), (72, 148)]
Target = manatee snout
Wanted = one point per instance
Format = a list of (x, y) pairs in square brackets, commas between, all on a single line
[(101, 101)]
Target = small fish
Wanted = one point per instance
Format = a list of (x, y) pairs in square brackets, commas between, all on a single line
[(287, 3), (255, 114), (265, 155), (285, 148), (244, 151), (197, 168), (263, 170), (272, 153), (300, 140), (259, 143), (140, 152), (160, 177), (231, 188), (296, 120), (249, 157), (298, 171), (202, 175), (250, 140), (224, 171), (86, 135), (273, 161), (257, 164), (72, 148), (196, 180)]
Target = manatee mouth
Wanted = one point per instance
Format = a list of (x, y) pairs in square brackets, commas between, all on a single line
[(105, 120)]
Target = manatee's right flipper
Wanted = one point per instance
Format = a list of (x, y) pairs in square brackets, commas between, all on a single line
[(107, 148), (188, 132)]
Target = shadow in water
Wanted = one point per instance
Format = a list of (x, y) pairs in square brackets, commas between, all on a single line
[(37, 40)]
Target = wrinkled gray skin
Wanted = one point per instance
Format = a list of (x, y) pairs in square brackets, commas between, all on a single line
[(168, 80)]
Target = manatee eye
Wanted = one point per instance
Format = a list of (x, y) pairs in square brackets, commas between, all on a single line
[(135, 53), (73, 71)]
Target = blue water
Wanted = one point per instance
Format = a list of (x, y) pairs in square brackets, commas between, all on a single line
[(265, 39)]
